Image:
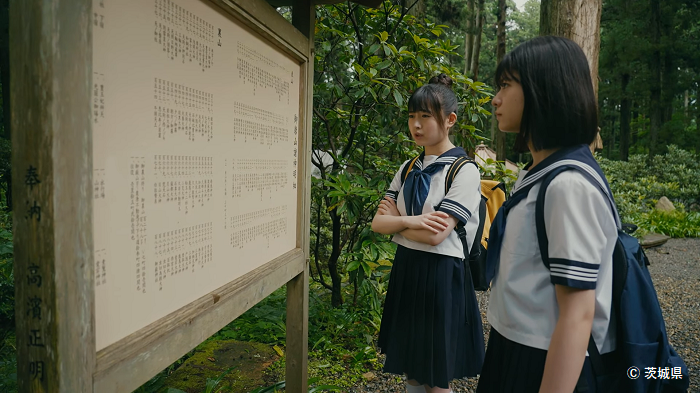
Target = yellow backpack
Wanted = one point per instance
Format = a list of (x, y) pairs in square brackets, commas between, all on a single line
[(493, 194)]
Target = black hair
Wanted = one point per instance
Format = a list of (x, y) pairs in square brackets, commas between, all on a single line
[(560, 107), (436, 98)]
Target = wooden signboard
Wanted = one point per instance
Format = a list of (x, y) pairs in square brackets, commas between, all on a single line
[(160, 154)]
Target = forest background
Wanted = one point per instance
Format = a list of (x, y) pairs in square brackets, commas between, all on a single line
[(368, 62)]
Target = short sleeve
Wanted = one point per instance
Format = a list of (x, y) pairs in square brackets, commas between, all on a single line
[(578, 222), (396, 183), (463, 197)]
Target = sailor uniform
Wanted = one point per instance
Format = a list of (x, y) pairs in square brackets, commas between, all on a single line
[(523, 310), (426, 332)]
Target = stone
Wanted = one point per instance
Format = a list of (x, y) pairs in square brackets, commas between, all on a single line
[(665, 205), (653, 240)]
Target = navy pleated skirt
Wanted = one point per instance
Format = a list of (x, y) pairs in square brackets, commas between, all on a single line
[(431, 326), (511, 367)]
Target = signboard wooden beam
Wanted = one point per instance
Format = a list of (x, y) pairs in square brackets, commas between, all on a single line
[(50, 56)]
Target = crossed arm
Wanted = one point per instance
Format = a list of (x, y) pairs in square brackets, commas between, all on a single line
[(430, 228)]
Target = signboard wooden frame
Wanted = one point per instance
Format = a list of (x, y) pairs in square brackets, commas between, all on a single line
[(51, 64)]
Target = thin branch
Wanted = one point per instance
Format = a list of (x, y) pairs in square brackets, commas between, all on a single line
[(328, 130)]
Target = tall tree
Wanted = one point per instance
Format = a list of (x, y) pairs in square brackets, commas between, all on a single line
[(579, 21), (469, 37), (500, 53), (655, 83), (480, 18), (624, 118)]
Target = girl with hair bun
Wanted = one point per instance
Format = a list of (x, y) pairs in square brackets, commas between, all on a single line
[(431, 327)]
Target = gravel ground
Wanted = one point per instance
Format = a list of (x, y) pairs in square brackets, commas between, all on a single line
[(675, 269)]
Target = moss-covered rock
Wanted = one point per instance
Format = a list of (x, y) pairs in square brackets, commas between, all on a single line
[(212, 358)]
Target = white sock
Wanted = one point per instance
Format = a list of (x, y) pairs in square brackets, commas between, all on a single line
[(414, 389)]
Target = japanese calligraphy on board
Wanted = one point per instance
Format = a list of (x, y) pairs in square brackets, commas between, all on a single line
[(195, 141), (34, 306)]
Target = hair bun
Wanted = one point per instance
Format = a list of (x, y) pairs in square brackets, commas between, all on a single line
[(441, 79)]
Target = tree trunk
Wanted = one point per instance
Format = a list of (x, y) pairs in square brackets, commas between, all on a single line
[(417, 8), (697, 130), (669, 76), (635, 116), (656, 111), (611, 144), (500, 53), (480, 18), (579, 21), (624, 119), (469, 38), (336, 295)]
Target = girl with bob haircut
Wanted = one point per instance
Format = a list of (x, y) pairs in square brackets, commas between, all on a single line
[(431, 327), (543, 318)]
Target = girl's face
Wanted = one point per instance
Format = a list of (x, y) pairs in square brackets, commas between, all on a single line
[(509, 103), (425, 129)]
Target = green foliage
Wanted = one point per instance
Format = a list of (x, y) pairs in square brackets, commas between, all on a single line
[(637, 185), (368, 62), (8, 357), (525, 24), (496, 170), (341, 339), (674, 224), (212, 384), (264, 323), (626, 53)]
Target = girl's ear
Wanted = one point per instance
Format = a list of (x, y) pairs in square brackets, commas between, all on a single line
[(451, 120)]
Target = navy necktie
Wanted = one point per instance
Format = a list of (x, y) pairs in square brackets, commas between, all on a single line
[(498, 227), (417, 186)]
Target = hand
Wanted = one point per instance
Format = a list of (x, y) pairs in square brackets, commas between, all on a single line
[(387, 207), (435, 222)]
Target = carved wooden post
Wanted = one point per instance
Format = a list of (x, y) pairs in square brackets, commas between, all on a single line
[(50, 52)]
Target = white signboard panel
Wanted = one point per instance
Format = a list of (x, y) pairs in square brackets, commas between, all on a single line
[(194, 154)]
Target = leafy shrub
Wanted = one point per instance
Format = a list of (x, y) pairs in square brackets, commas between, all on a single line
[(638, 184), (8, 359), (674, 224), (368, 62)]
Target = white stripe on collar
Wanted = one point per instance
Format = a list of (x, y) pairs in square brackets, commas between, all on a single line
[(587, 168)]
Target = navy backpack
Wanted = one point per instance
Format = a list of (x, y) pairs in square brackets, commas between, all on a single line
[(642, 342)]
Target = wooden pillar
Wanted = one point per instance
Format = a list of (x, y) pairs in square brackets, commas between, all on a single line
[(51, 76), (304, 19)]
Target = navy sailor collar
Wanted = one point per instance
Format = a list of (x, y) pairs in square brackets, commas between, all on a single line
[(447, 157), (579, 156)]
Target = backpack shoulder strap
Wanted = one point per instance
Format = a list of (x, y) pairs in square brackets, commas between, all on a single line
[(539, 204), (454, 169), (461, 232), (539, 214), (407, 169), (593, 354)]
